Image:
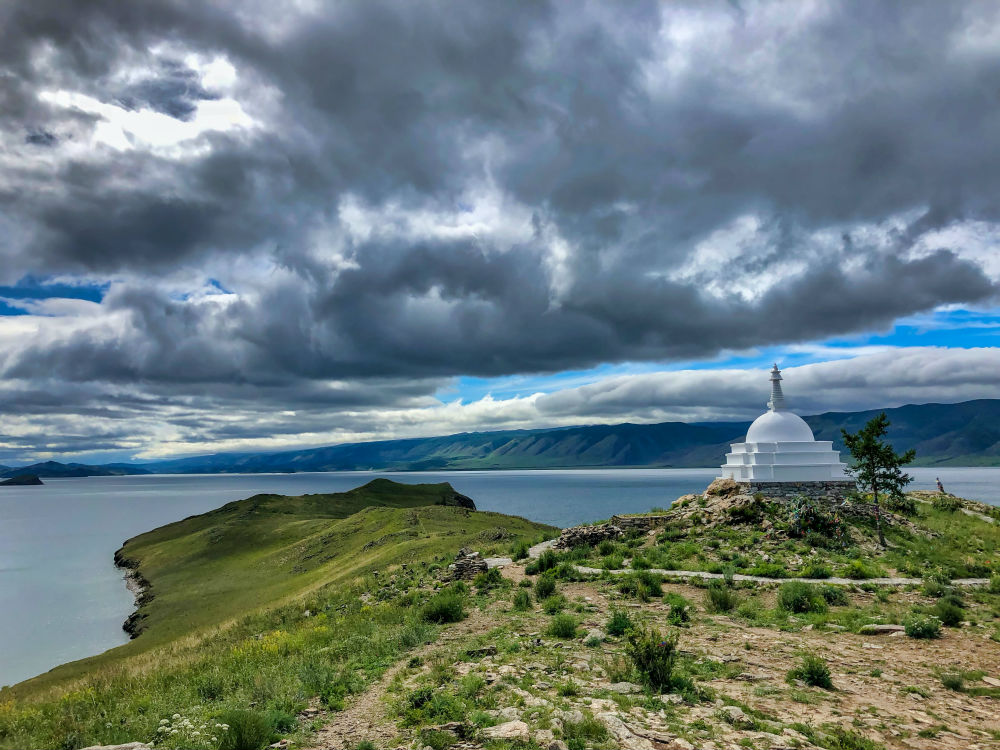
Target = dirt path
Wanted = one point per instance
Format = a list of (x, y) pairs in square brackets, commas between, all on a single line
[(366, 717)]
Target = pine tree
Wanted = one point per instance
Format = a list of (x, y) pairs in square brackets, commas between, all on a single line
[(876, 464)]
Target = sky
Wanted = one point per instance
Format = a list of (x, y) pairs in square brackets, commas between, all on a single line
[(256, 225)]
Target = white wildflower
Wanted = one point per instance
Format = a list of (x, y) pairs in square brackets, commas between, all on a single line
[(176, 716), (173, 731), (225, 726), (215, 739), (164, 721)]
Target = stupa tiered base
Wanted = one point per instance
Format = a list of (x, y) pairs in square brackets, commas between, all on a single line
[(831, 489)]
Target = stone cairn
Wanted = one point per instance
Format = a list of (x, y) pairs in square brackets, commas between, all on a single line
[(467, 565)]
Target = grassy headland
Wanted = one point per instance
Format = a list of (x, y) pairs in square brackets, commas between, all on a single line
[(261, 602)]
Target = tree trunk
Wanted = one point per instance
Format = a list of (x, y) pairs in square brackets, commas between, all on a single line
[(878, 514)]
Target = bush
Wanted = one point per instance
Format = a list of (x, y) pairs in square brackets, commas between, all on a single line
[(248, 730), (720, 598), (519, 550), (835, 596), (813, 670), (947, 503), (953, 682), (902, 504), (554, 604), (563, 626), (919, 626), (619, 623), (444, 607), (547, 560), (994, 587), (815, 570), (487, 580), (808, 516), (545, 587), (653, 655), (768, 570), (606, 547), (948, 612), (642, 585), (522, 601), (799, 597), (856, 570)]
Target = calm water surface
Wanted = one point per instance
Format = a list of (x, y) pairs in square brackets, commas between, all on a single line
[(62, 599)]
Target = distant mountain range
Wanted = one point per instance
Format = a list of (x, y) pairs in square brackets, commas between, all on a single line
[(964, 434)]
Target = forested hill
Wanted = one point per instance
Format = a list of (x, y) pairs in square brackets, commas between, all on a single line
[(964, 434)]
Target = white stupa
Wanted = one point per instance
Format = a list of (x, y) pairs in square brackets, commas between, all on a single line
[(780, 447)]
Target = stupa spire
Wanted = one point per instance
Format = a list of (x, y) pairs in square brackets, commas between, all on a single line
[(777, 402)]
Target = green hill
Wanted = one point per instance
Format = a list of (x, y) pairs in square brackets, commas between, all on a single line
[(207, 574)]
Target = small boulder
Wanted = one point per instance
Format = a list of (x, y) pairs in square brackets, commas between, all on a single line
[(880, 629), (511, 730), (625, 688), (735, 716)]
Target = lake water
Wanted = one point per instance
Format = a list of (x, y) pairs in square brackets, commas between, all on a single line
[(61, 598)]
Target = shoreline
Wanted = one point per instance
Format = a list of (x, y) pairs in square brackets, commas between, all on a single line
[(139, 587)]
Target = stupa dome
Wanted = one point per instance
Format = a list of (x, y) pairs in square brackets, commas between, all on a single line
[(779, 427)]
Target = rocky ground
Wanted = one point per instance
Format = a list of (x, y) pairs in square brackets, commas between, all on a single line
[(541, 691)]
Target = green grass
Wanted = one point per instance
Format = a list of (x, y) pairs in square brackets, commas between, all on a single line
[(227, 626)]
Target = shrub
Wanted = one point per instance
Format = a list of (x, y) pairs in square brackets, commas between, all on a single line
[(522, 601), (815, 570), (994, 587), (487, 580), (856, 570), (953, 682), (934, 588), (798, 597), (812, 670), (545, 587), (547, 560), (768, 570), (554, 604), (948, 612), (606, 547), (918, 626), (642, 584), (444, 607), (947, 503), (519, 550), (900, 503), (835, 596), (563, 626), (248, 730), (653, 654), (679, 614), (720, 598), (619, 623), (808, 516)]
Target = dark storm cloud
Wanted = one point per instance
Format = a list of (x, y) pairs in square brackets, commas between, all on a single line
[(175, 90), (614, 146)]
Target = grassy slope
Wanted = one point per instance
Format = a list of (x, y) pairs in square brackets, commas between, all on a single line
[(208, 570)]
